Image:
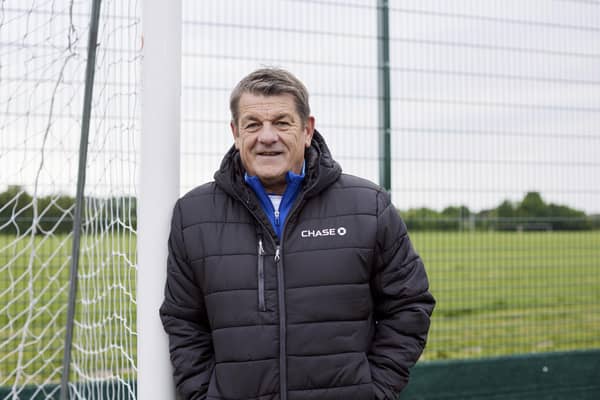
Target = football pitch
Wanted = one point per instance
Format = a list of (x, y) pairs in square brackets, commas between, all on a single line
[(512, 293), (497, 294)]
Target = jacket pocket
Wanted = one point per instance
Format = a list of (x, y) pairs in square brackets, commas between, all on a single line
[(261, 276), (369, 375), (212, 392), (367, 366)]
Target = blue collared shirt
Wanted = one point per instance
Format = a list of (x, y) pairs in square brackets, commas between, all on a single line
[(277, 217)]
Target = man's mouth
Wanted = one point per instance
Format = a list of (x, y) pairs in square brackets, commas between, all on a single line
[(269, 153)]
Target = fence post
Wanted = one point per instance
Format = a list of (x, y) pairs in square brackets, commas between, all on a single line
[(159, 187), (385, 124)]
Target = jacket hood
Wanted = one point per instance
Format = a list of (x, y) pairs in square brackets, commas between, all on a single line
[(321, 170)]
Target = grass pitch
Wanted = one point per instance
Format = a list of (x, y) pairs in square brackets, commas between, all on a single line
[(512, 293), (497, 294), (34, 289)]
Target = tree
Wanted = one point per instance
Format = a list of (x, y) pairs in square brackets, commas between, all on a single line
[(16, 210), (565, 218), (506, 214), (455, 217), (56, 213), (422, 218), (532, 205)]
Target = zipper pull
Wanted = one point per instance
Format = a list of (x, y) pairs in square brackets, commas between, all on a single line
[(261, 277), (277, 217), (261, 249), (277, 255)]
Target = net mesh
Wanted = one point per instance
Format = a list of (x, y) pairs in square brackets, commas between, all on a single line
[(43, 54)]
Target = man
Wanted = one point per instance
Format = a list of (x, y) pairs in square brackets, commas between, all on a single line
[(286, 278)]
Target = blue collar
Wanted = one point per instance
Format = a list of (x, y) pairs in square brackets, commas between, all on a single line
[(277, 217)]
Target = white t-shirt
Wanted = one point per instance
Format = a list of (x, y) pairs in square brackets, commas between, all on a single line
[(275, 200)]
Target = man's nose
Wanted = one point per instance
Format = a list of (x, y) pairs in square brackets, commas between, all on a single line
[(268, 134)]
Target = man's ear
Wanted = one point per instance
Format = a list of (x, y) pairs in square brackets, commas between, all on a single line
[(309, 131), (236, 134)]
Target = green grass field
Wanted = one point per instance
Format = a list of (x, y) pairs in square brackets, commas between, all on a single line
[(498, 294), (34, 288), (512, 293)]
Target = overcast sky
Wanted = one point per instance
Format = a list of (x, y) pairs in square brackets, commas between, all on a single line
[(491, 99)]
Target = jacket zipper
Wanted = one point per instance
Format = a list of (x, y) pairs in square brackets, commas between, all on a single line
[(281, 297), (282, 305), (261, 276), (282, 325), (276, 214)]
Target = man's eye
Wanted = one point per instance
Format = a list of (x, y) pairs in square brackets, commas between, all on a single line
[(251, 125), (282, 123)]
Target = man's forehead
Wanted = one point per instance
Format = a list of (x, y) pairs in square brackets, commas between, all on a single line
[(257, 104)]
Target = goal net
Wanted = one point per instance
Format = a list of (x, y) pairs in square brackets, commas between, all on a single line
[(43, 54)]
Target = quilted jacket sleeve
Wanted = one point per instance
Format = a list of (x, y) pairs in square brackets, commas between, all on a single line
[(402, 301), (184, 318)]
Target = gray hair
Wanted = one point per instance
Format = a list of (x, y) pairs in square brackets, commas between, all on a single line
[(271, 82)]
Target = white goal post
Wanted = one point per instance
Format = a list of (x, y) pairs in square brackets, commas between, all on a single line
[(159, 187)]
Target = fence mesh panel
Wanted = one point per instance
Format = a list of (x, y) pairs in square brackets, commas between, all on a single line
[(494, 150)]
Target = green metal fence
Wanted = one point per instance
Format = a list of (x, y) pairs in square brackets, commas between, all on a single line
[(493, 161)]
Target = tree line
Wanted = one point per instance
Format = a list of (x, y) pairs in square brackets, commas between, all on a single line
[(55, 214), (531, 213)]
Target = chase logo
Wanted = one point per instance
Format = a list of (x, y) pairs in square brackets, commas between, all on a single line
[(313, 233)]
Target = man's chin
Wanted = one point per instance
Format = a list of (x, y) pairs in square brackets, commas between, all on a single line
[(272, 182), (270, 174)]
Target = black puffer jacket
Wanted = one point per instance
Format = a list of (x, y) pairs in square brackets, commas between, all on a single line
[(338, 309)]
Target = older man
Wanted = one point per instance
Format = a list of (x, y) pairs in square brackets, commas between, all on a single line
[(288, 279)]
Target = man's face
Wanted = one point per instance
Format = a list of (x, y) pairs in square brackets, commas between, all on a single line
[(271, 138)]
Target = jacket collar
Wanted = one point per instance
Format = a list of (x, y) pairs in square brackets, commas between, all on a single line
[(277, 216)]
